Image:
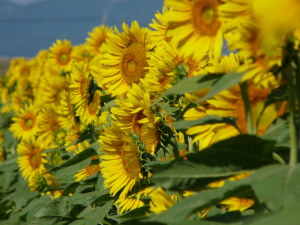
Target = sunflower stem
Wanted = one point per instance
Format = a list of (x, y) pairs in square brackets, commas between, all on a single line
[(293, 128), (245, 96), (92, 129), (176, 151)]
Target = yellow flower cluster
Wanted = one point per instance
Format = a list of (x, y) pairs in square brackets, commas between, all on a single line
[(111, 87)]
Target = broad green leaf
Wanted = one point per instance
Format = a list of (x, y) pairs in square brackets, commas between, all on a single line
[(87, 198), (70, 189), (183, 125), (87, 153), (9, 164), (225, 82), (222, 159), (83, 137), (278, 131), (169, 110), (191, 84), (100, 213), (51, 150), (107, 106), (279, 94)]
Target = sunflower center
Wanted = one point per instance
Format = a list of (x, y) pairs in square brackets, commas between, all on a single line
[(54, 125), (91, 169), (136, 126), (208, 15), (205, 17), (63, 58), (34, 159), (133, 61), (93, 107), (25, 72), (28, 123)]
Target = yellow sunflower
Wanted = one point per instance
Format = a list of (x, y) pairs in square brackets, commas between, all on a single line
[(81, 53), (71, 136), (66, 112), (126, 57), (79, 89), (31, 157), (60, 55), (97, 38), (25, 123), (90, 115), (17, 101), (161, 27), (134, 114), (51, 88), (96, 70), (4, 95), (237, 204), (48, 125), (195, 27), (120, 162), (162, 63), (160, 201), (133, 202), (90, 169), (229, 103)]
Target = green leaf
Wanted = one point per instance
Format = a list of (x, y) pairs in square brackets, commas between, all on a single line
[(225, 82), (9, 164), (70, 189), (83, 137), (169, 110), (191, 84), (278, 131), (183, 125), (279, 94), (107, 98), (87, 153), (100, 213), (51, 150), (222, 159), (107, 106), (87, 198)]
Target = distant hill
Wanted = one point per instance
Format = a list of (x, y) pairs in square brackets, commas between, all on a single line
[(26, 29)]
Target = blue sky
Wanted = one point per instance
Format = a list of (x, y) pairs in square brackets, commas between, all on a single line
[(26, 26)]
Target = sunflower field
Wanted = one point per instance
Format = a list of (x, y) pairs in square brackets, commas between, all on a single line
[(155, 125)]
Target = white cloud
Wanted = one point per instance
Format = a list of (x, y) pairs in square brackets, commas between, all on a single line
[(24, 2)]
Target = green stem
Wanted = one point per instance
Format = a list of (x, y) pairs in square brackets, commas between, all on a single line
[(94, 136), (176, 151), (293, 128), (245, 96)]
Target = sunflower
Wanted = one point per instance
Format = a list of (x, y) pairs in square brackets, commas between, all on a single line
[(81, 53), (90, 169), (66, 112), (31, 157), (259, 35), (25, 123), (120, 162), (4, 95), (17, 101), (48, 125), (134, 114), (160, 201), (237, 204), (133, 202), (98, 37), (195, 27), (79, 88), (51, 88), (60, 55), (23, 69), (71, 136), (161, 27), (229, 103), (96, 70), (90, 115), (126, 57), (162, 63)]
